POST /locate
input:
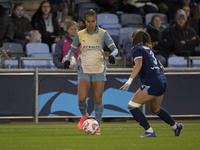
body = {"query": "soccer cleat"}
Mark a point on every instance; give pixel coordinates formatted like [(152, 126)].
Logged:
[(82, 120), (148, 134), (98, 132), (177, 131)]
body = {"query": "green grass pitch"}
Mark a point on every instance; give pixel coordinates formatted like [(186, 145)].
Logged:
[(115, 136)]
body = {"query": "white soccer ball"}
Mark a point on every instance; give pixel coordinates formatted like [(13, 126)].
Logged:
[(90, 126)]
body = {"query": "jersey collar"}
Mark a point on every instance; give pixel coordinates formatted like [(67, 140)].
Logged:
[(96, 31)]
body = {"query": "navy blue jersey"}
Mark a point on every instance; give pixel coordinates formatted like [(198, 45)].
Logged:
[(151, 71)]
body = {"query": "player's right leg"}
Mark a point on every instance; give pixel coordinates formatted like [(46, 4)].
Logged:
[(141, 97), (83, 89)]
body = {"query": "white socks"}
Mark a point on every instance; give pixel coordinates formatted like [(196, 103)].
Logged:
[(150, 130), (174, 126)]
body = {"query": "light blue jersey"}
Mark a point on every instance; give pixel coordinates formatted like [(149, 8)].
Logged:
[(92, 53)]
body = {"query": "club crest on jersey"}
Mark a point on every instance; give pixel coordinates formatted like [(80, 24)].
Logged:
[(97, 41)]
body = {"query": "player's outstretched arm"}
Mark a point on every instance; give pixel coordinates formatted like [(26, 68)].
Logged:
[(136, 69)]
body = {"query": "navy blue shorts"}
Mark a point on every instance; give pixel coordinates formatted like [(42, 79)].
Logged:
[(156, 89)]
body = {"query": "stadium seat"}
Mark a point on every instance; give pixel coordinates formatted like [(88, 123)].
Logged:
[(83, 7), (53, 46), (125, 32), (114, 33), (163, 16), (132, 20), (7, 4), (110, 23), (108, 20), (16, 50), (27, 16), (127, 48), (37, 50), (177, 61), (75, 3), (195, 63)]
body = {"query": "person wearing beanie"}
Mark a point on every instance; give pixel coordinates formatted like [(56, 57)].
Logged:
[(183, 39), (180, 13)]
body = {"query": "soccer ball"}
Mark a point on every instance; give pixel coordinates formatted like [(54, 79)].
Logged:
[(90, 126)]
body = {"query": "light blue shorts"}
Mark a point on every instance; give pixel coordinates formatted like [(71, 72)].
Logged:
[(91, 77)]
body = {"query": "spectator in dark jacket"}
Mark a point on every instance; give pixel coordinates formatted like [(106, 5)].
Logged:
[(45, 22), (64, 45), (21, 24), (184, 39), (6, 27), (159, 33)]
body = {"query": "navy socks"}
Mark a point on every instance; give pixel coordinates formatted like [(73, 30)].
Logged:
[(165, 116), (140, 118)]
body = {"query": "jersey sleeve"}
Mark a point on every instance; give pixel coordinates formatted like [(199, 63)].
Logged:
[(110, 44), (136, 53)]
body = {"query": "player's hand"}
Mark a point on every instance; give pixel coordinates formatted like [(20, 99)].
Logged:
[(66, 64), (124, 86), (111, 59)]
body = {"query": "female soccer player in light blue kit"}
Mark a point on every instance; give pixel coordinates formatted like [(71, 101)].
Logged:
[(153, 85), (91, 65)]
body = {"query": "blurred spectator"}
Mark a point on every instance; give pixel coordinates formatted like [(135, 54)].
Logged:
[(178, 4), (6, 27), (196, 19), (60, 9), (159, 33), (184, 39), (110, 5), (64, 45), (127, 8), (195, 22), (45, 22), (190, 3), (186, 8), (21, 24), (34, 37), (144, 7)]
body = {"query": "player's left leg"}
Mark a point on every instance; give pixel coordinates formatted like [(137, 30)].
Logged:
[(98, 88), (164, 115)]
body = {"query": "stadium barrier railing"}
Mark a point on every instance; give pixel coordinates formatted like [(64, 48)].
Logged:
[(115, 71)]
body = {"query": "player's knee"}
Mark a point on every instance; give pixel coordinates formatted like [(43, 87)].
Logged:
[(155, 110), (132, 104), (81, 99), (98, 100)]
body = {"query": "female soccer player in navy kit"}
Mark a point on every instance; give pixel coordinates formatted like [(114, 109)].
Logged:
[(91, 65), (153, 84)]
